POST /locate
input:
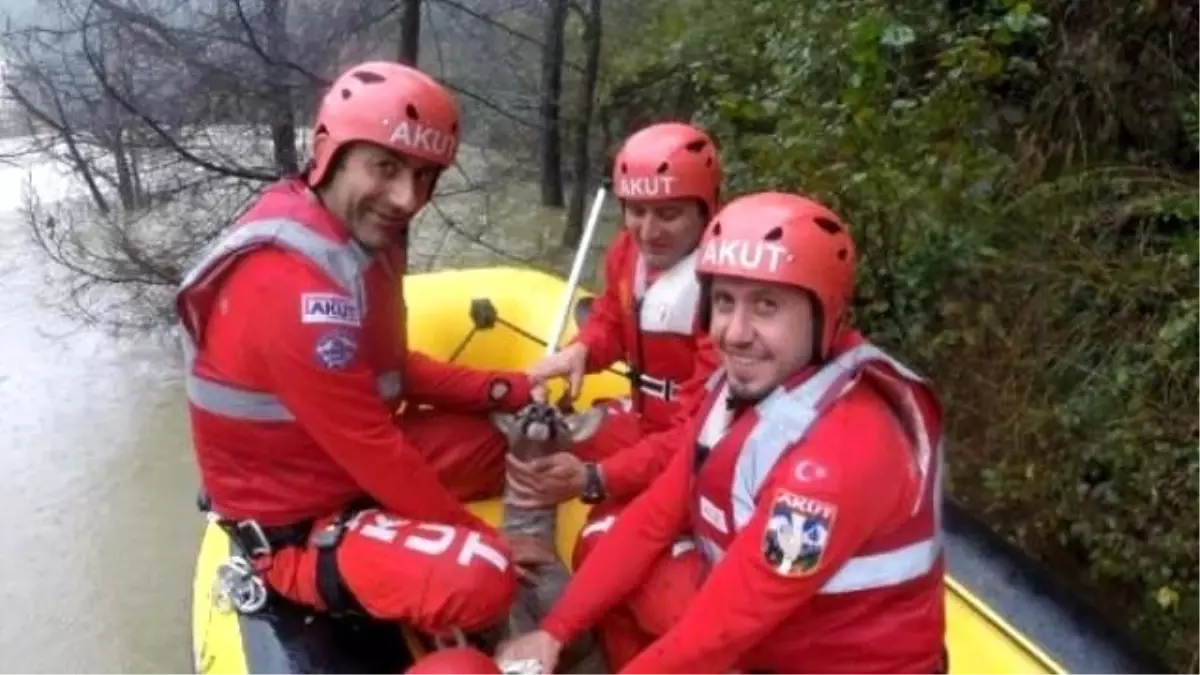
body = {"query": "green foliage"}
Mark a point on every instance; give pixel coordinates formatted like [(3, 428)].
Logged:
[(1025, 207)]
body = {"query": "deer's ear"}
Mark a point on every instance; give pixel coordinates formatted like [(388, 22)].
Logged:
[(585, 424), (506, 423)]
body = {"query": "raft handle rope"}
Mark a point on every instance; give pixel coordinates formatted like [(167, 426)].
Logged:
[(485, 317), (483, 312)]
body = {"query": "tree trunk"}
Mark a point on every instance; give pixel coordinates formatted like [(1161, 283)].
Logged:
[(551, 141), (410, 31), (283, 119), (593, 24), (125, 188)]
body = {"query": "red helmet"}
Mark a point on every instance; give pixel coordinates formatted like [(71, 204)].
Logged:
[(455, 660), (670, 160), (389, 104), (786, 239)]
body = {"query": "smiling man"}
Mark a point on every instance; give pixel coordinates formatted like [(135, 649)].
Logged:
[(295, 326), (810, 480)]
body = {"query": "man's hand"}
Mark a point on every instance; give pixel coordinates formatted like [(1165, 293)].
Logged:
[(545, 481), (537, 391), (536, 647), (528, 554), (569, 363)]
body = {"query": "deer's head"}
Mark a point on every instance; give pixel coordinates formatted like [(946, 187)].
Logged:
[(540, 429)]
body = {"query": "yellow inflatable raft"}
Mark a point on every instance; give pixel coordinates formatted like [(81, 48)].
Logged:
[(1002, 615)]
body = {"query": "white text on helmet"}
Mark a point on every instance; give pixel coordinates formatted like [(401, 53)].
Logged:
[(423, 138), (752, 256), (647, 186)]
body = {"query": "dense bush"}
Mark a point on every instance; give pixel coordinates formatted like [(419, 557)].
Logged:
[(1022, 183)]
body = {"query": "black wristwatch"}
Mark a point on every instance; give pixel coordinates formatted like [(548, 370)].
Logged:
[(593, 484)]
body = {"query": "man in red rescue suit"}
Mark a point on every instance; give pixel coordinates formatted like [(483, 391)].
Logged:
[(295, 328), (811, 484), (668, 178)]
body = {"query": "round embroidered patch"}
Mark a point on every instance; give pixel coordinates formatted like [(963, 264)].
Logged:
[(336, 349)]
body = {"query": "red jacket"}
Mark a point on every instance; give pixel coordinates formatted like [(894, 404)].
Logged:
[(297, 363), (818, 510), (650, 320)]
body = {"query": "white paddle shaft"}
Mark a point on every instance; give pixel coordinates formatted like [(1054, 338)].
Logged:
[(585, 243)]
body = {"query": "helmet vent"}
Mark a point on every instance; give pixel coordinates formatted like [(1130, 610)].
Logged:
[(411, 111), (624, 168), (662, 168), (454, 128), (696, 145), (716, 228), (842, 253), (827, 224), (367, 77), (708, 162), (774, 235), (345, 94)]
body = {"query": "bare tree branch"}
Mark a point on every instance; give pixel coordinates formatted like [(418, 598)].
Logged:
[(540, 44), (168, 111), (149, 121)]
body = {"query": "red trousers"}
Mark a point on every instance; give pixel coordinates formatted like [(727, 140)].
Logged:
[(656, 605), (431, 576), (664, 594)]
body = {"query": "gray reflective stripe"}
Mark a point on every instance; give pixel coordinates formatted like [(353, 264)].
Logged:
[(344, 263), (255, 406), (899, 565), (784, 418), (884, 569), (241, 404), (714, 379), (716, 423), (938, 494), (878, 570)]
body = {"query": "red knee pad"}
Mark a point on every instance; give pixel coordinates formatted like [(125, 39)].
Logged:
[(663, 597), (621, 638), (487, 591), (455, 660), (600, 520)]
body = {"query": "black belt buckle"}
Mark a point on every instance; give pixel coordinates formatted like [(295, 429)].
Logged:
[(252, 538), (331, 535)]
